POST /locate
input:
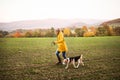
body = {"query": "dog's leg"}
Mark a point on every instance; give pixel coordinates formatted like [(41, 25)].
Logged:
[(81, 58), (74, 63), (67, 63), (78, 63), (82, 63)]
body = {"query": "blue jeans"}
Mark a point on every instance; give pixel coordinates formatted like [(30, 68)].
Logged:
[(63, 54)]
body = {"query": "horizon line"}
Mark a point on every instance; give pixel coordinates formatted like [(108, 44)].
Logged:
[(55, 18)]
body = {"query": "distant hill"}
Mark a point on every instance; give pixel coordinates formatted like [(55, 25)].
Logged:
[(112, 22), (48, 23)]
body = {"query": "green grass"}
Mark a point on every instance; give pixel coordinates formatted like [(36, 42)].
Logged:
[(34, 59)]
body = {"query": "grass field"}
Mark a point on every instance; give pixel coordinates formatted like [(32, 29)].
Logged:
[(34, 59)]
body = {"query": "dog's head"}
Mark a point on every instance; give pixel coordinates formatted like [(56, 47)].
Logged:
[(65, 61)]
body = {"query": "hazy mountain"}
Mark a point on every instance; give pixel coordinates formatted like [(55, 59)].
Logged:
[(112, 22), (47, 23)]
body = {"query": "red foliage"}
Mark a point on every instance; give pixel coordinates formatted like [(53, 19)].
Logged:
[(17, 34)]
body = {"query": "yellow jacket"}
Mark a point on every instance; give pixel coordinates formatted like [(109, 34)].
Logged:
[(61, 42)]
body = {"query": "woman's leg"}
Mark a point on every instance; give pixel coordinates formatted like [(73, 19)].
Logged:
[(64, 54), (58, 57)]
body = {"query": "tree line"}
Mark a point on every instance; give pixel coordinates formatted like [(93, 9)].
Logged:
[(84, 31)]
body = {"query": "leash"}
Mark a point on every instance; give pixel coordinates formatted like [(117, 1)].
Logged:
[(51, 43)]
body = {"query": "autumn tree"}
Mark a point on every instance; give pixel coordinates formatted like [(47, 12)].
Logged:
[(28, 34), (66, 32), (37, 33), (17, 34), (111, 32), (79, 32), (89, 34), (101, 31), (84, 28), (93, 29), (109, 29), (117, 31), (3, 33), (73, 33), (50, 32)]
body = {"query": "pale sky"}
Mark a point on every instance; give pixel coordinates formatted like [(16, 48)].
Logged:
[(17, 10)]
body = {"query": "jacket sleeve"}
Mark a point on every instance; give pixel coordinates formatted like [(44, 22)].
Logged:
[(61, 39)]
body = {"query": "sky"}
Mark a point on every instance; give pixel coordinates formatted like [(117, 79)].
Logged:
[(18, 10)]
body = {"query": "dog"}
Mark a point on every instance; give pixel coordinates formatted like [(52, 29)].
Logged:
[(77, 59)]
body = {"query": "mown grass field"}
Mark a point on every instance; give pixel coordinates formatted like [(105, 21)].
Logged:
[(34, 59)]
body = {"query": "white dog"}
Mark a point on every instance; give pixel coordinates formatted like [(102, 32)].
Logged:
[(73, 60)]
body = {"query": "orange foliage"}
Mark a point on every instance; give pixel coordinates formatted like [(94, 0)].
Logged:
[(17, 34), (92, 28), (89, 34), (110, 31), (66, 31), (84, 28)]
